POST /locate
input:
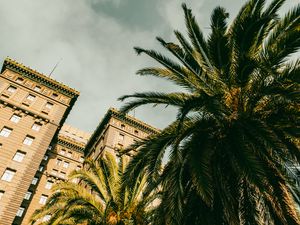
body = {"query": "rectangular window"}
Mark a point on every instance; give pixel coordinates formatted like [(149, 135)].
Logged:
[(66, 164), (75, 180), (121, 137), (1, 194), (37, 88), (81, 159), (46, 218), (122, 126), (54, 95), (5, 132), (15, 118), (19, 156), (48, 105), (19, 80), (69, 154), (43, 199), (62, 152), (62, 174), (34, 180), (28, 140), (30, 97), (8, 175), (78, 168), (27, 195), (58, 162), (54, 172), (45, 157), (49, 185), (20, 212), (36, 126), (11, 89)]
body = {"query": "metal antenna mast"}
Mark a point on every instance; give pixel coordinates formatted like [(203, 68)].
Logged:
[(55, 66)]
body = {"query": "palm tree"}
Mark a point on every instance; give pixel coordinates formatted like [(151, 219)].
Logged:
[(98, 199), (237, 126)]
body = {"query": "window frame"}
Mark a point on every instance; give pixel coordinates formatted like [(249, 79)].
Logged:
[(15, 118), (28, 140), (8, 174), (20, 212), (5, 132), (19, 156)]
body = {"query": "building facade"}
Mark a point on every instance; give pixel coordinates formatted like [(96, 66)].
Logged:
[(32, 109), (37, 150), (63, 157), (116, 131)]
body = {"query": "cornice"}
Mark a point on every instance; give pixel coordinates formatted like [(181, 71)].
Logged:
[(112, 112), (133, 121), (68, 142), (38, 77), (26, 111)]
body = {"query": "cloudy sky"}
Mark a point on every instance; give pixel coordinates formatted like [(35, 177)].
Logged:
[(93, 42)]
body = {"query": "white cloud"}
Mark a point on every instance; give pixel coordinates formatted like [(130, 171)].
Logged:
[(96, 48)]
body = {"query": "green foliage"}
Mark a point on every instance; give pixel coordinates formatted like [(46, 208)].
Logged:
[(99, 198), (237, 127)]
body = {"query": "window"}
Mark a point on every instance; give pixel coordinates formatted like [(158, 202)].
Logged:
[(62, 174), (54, 95), (136, 132), (58, 162), (45, 157), (43, 199), (30, 97), (81, 159), (19, 80), (54, 172), (19, 156), (8, 175), (34, 180), (5, 132), (49, 185), (75, 180), (28, 140), (48, 105), (37, 88), (62, 152), (121, 137), (15, 118), (1, 194), (69, 154), (78, 168), (20, 212), (11, 89), (41, 168), (27, 195), (122, 126), (36, 126), (66, 164), (46, 218)]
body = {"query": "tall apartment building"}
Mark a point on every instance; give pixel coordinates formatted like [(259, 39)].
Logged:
[(116, 131), (32, 109), (63, 157)]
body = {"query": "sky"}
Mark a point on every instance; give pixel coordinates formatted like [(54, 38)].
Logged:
[(92, 41)]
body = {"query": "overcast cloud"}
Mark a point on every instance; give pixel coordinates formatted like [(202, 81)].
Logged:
[(93, 42)]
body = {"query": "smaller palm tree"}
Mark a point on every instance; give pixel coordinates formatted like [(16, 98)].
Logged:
[(98, 198)]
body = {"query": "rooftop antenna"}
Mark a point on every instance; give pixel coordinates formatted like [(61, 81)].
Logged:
[(55, 67)]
